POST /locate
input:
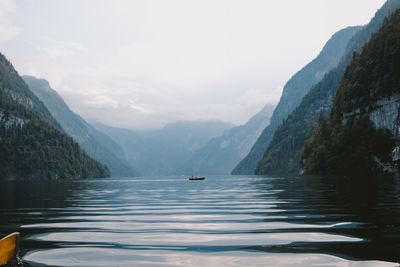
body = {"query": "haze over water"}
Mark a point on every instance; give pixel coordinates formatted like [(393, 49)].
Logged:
[(222, 221)]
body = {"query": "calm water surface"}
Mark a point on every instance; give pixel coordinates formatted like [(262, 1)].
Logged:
[(222, 221)]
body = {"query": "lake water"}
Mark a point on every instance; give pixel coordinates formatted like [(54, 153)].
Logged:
[(221, 221)]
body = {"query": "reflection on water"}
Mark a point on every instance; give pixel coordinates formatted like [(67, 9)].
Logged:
[(222, 221)]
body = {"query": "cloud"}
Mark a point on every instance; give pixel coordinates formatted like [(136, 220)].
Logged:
[(56, 49), (7, 31), (139, 108), (142, 64), (102, 102)]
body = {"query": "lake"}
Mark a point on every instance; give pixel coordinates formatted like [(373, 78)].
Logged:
[(221, 221)]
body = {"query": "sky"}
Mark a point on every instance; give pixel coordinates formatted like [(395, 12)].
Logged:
[(142, 64)]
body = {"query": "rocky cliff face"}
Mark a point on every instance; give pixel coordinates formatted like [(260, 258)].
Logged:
[(361, 134), (386, 115), (12, 121)]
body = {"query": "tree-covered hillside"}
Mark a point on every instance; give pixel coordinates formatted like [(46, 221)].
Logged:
[(97, 145), (15, 87), (283, 153), (294, 91), (348, 141), (30, 147)]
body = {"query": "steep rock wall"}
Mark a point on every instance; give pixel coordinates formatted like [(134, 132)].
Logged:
[(386, 115)]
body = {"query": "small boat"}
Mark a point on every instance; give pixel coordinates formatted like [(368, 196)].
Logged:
[(193, 178), (9, 248)]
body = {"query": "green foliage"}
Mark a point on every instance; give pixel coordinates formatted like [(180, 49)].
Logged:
[(349, 149), (349, 144), (31, 148), (283, 153), (375, 73)]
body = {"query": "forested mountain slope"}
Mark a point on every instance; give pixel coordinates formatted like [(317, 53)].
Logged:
[(294, 91), (97, 145), (18, 91), (362, 129), (283, 154), (30, 147)]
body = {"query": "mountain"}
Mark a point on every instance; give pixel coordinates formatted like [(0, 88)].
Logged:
[(361, 135), (164, 151), (31, 146), (18, 91), (97, 145), (294, 91), (221, 154), (283, 153)]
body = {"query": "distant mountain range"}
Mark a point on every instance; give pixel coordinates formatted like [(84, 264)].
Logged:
[(178, 148), (99, 146), (157, 152), (221, 154), (164, 151)]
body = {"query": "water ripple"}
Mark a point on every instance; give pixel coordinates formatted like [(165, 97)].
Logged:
[(222, 221)]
